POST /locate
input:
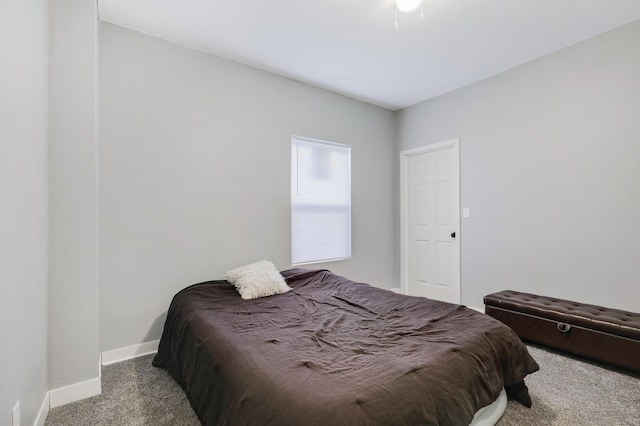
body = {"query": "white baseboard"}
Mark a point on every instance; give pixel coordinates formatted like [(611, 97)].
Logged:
[(123, 354), (476, 309), (397, 290), (42, 413), (76, 392), (89, 388)]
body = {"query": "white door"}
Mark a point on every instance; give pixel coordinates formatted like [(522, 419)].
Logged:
[(431, 221)]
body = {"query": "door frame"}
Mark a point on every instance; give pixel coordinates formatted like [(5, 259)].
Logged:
[(404, 207)]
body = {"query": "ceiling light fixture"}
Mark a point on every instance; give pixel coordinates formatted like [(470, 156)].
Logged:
[(408, 6)]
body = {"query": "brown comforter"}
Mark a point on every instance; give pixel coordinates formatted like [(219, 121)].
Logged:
[(335, 352)]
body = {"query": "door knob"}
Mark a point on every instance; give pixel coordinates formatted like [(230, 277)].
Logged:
[(453, 234)]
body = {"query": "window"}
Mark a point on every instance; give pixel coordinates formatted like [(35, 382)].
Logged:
[(320, 201)]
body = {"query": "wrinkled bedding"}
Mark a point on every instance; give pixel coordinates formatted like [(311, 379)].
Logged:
[(335, 352)]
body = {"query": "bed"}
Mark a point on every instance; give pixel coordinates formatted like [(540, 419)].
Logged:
[(336, 352)]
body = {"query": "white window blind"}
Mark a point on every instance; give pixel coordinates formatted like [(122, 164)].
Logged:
[(320, 201)]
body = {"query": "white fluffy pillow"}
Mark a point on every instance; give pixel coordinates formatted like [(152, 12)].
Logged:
[(257, 280)]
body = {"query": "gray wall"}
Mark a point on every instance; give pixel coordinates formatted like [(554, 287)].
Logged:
[(195, 176), (73, 278), (23, 215), (550, 168)]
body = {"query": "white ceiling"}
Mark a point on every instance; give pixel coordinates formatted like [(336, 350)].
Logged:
[(353, 47)]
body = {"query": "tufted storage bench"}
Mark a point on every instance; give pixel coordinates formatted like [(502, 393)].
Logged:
[(608, 335)]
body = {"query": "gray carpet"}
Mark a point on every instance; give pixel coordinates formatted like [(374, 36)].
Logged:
[(134, 393), (566, 391)]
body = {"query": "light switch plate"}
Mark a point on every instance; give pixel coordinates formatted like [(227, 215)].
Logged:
[(465, 213)]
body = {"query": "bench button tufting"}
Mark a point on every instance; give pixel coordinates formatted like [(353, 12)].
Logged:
[(623, 327)]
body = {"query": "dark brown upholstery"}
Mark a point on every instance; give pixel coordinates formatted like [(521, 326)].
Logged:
[(612, 321), (604, 334)]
